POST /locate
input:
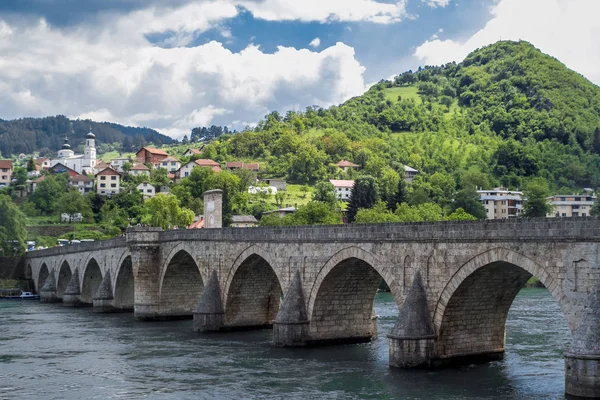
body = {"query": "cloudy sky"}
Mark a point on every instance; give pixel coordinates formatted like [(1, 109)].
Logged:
[(176, 64)]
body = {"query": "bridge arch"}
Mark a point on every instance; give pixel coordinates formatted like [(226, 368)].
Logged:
[(124, 290), (181, 284), (64, 276), (253, 289), (92, 277), (42, 276), (340, 304), (475, 302)]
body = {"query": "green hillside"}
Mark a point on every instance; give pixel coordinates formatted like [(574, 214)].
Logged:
[(507, 113)]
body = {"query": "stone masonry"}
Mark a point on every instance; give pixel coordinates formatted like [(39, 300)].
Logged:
[(469, 274)]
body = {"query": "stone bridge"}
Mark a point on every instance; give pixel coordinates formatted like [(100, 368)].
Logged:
[(453, 282)]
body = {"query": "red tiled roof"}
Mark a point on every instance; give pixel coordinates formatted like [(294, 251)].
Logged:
[(108, 171), (342, 183), (154, 151), (193, 151), (205, 162), (197, 224), (170, 158), (38, 180), (241, 164), (80, 178), (140, 167), (345, 163), (6, 164)]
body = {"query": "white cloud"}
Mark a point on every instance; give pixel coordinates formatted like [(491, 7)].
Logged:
[(436, 3), (316, 42), (565, 29), (325, 11), (114, 73)]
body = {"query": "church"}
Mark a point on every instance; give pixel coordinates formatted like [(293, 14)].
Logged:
[(82, 163)]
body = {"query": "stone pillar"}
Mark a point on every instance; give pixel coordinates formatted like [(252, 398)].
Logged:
[(412, 341), (582, 361), (291, 326), (209, 315), (48, 291), (213, 208), (103, 299), (144, 244), (72, 295)]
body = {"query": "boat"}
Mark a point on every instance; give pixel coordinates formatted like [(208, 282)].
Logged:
[(22, 296), (29, 296)]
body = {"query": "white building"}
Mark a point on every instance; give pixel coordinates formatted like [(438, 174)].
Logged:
[(343, 188), (82, 163), (117, 163), (171, 164), (501, 203), (139, 169), (573, 205), (409, 174), (146, 189), (82, 183)]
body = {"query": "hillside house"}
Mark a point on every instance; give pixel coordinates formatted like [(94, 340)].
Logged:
[(279, 184), (117, 163), (108, 182), (146, 189), (409, 174), (345, 166), (192, 152), (139, 169), (150, 155), (501, 203), (6, 168), (243, 221), (171, 164), (233, 165), (574, 205), (343, 188), (84, 184)]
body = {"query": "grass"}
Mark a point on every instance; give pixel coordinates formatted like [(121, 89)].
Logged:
[(108, 157), (407, 92)]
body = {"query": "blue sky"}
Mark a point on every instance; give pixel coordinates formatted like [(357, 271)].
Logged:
[(176, 64)]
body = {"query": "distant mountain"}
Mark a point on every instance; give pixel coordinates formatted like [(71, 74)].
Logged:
[(27, 135)]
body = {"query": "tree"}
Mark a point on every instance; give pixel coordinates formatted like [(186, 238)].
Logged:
[(46, 196), (460, 215), (73, 202), (536, 203), (312, 213), (376, 215), (12, 228), (20, 175), (325, 193), (399, 197), (30, 165), (595, 211), (469, 201), (164, 211), (363, 195)]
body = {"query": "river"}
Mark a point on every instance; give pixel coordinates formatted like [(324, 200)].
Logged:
[(64, 353)]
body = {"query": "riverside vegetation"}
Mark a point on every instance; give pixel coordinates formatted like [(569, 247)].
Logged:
[(507, 115)]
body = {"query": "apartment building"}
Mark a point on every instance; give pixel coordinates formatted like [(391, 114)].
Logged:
[(573, 205), (501, 203)]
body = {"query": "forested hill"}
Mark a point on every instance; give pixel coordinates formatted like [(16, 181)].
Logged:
[(47, 134), (505, 114)]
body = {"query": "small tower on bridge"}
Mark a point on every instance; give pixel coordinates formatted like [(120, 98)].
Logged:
[(213, 208)]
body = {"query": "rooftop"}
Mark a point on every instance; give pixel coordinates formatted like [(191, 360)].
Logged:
[(244, 218), (345, 163), (154, 151), (343, 183), (108, 171), (206, 162), (140, 167)]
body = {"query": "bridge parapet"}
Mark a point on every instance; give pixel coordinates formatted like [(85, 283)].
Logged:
[(535, 229), (79, 248)]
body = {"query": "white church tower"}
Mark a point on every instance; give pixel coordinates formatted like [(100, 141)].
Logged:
[(65, 151), (89, 153)]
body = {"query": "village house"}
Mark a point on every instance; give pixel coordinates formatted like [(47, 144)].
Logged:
[(501, 203), (233, 165), (117, 163), (139, 169), (108, 182), (192, 152), (150, 155), (279, 184), (345, 166), (146, 189), (6, 167), (185, 170), (63, 169), (343, 188), (171, 164), (574, 205), (409, 174), (243, 221), (282, 212), (84, 184), (43, 162)]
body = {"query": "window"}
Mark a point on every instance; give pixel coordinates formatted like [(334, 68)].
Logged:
[(562, 199), (113, 185), (564, 215), (4, 169), (186, 174), (103, 185), (583, 214), (4, 177), (102, 178), (173, 163), (113, 178)]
